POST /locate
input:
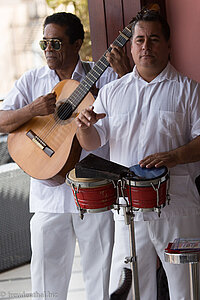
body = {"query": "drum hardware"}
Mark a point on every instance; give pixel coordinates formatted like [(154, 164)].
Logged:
[(120, 186), (156, 189), (132, 259), (129, 220), (142, 190), (158, 207), (81, 210)]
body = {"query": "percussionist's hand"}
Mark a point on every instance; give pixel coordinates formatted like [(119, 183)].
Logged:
[(118, 60), (167, 159), (44, 105), (88, 117)]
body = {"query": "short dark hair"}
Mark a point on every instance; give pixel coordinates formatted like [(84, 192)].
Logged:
[(153, 16), (74, 27)]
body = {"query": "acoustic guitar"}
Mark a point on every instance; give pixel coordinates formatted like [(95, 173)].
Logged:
[(46, 145)]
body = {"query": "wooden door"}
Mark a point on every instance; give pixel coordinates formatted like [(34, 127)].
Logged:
[(108, 17)]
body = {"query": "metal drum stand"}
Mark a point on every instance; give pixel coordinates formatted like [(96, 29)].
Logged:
[(129, 220), (132, 259), (192, 258), (129, 209)]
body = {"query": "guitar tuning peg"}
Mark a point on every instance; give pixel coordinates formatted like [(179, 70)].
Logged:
[(154, 6)]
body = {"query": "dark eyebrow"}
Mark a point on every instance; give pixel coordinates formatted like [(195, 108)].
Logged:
[(53, 38), (139, 36), (152, 35)]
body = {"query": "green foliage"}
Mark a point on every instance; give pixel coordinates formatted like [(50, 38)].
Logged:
[(81, 10)]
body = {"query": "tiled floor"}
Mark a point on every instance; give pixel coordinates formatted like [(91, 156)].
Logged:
[(16, 284)]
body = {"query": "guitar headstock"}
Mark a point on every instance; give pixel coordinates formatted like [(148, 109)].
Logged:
[(126, 33), (152, 6)]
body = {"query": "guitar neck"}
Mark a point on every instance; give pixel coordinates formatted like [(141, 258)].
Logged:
[(94, 74)]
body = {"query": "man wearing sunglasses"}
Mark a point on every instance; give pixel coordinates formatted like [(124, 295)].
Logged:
[(56, 224)]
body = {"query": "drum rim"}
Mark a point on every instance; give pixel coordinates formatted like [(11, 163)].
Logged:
[(92, 182), (165, 171), (155, 208), (98, 210), (146, 182)]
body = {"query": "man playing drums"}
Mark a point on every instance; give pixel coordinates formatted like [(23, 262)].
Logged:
[(151, 117)]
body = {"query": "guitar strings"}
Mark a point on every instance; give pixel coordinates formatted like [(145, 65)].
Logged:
[(44, 134), (79, 92)]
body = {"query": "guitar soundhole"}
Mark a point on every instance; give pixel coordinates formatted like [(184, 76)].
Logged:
[(64, 111)]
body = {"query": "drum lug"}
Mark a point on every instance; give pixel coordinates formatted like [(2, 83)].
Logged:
[(168, 186), (130, 259), (168, 198), (156, 189), (158, 210), (81, 210), (116, 186), (120, 193), (123, 184), (81, 213)]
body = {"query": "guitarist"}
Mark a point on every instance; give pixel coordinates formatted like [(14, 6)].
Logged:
[(56, 224)]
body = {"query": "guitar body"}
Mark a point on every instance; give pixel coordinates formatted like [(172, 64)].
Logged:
[(46, 146)]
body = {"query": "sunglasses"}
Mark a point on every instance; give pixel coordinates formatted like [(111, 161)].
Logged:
[(54, 43)]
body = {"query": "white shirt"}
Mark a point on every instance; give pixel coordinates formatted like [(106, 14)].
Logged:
[(35, 83), (144, 118)]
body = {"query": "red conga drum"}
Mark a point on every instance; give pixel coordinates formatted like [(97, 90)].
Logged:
[(147, 191), (92, 195)]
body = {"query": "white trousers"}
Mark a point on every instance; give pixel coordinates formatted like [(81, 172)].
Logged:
[(53, 238), (152, 237)]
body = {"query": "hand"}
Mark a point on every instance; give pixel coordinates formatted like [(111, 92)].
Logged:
[(44, 105), (88, 117), (167, 159), (118, 60)]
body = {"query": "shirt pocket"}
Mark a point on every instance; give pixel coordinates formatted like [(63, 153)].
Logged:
[(171, 123), (119, 126), (183, 190)]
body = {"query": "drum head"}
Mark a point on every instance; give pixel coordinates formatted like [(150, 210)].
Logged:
[(85, 182), (146, 174), (73, 178)]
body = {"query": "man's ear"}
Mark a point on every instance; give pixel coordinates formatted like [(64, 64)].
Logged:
[(77, 45)]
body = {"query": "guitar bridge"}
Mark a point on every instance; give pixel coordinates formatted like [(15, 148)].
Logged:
[(40, 143)]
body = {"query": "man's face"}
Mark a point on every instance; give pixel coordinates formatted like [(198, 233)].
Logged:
[(61, 59), (149, 48)]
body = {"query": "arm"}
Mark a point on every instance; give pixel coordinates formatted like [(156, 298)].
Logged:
[(12, 119), (187, 153), (87, 134), (119, 61)]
